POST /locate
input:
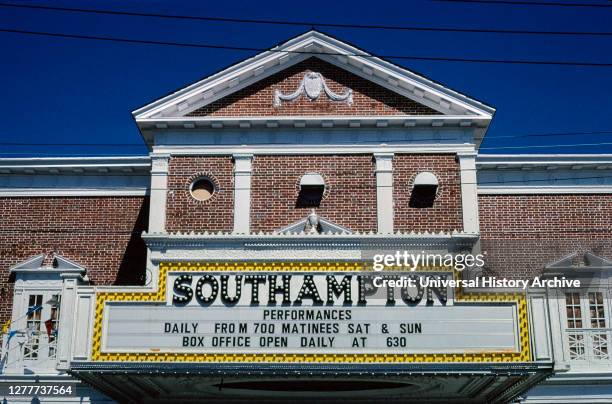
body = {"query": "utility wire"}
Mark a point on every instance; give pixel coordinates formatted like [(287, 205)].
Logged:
[(530, 3), (255, 49), (545, 146), (270, 187), (365, 142), (115, 144), (181, 174), (300, 23)]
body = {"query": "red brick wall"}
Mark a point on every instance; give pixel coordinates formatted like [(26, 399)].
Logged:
[(350, 201), (368, 98), (524, 233), (445, 214), (183, 212), (100, 233)]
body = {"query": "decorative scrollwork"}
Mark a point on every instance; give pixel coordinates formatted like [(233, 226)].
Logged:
[(312, 85)]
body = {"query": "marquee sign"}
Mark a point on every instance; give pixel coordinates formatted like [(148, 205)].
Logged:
[(312, 312)]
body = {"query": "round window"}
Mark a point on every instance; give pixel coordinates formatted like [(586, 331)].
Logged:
[(202, 189)]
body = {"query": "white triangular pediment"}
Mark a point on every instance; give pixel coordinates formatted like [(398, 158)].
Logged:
[(402, 81), (593, 260), (58, 264), (34, 262), (580, 261), (324, 227)]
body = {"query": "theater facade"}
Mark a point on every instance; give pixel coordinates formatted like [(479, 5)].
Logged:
[(235, 261)]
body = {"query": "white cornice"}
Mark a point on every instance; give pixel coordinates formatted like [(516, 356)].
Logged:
[(538, 189), (515, 174), (301, 237), (74, 176), (307, 150), (315, 121), (56, 165), (294, 246), (72, 192)]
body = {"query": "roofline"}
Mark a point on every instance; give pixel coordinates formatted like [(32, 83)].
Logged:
[(210, 76), (85, 176), (142, 160), (476, 104), (491, 109)]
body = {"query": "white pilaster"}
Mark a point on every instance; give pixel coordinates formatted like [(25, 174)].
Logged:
[(242, 192), (159, 189), (384, 191), (469, 191), (67, 316)]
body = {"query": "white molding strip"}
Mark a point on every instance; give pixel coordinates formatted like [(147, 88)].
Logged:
[(314, 120), (517, 160), (515, 174), (59, 192), (323, 149), (160, 164), (384, 192), (242, 192), (543, 190), (74, 176), (469, 194)]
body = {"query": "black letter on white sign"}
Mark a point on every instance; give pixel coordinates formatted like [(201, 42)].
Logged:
[(182, 290)]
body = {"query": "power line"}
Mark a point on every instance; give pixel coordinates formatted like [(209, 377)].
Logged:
[(367, 142), (171, 175), (546, 146), (71, 144), (254, 49), (301, 23), (270, 187), (601, 132), (530, 3), (119, 144)]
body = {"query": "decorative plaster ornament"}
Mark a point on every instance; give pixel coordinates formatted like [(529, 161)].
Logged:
[(312, 85), (312, 223)]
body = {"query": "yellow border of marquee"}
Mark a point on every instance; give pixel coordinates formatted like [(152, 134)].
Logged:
[(160, 296)]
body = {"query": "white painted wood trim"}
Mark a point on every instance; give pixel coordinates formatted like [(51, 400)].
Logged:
[(543, 190), (384, 192), (242, 192), (469, 193), (59, 192), (159, 191), (305, 149)]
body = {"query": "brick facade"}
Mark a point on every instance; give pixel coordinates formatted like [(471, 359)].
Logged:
[(524, 233), (350, 200), (184, 213), (368, 98), (100, 233), (445, 214)]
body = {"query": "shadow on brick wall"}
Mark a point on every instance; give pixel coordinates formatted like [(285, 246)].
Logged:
[(132, 270)]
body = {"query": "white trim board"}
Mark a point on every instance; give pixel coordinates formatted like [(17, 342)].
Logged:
[(543, 190), (59, 192), (305, 150)]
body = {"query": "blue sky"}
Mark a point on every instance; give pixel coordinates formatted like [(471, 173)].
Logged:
[(77, 91)]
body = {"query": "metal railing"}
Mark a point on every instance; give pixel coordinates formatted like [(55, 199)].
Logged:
[(35, 350), (589, 344)]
